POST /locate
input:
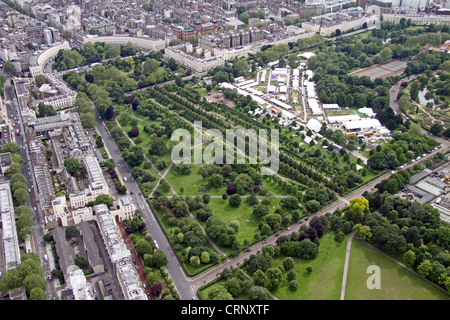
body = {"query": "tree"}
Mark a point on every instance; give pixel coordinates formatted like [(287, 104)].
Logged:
[(425, 268), (46, 110), (386, 54), (133, 133), (174, 42), (158, 147), (104, 198), (215, 227), (66, 35), (10, 147), (72, 165), (193, 39), (437, 129), (293, 285), (39, 80), (159, 259), (88, 120), (259, 293), (110, 114), (358, 206), (289, 203), (231, 189), (233, 286), (156, 289), (274, 278), (362, 231), (235, 200), (215, 180), (219, 293), (312, 205), (9, 68), (260, 210), (21, 196), (70, 231), (143, 247), (288, 263), (34, 281), (38, 293), (409, 257), (81, 260)]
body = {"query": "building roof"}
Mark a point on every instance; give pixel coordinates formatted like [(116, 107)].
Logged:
[(314, 125), (362, 124), (344, 118), (314, 105)]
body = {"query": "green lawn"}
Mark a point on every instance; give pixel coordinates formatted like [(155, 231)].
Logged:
[(325, 281), (192, 183), (397, 283), (244, 214)]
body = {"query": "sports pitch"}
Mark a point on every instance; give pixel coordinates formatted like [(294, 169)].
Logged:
[(392, 68)]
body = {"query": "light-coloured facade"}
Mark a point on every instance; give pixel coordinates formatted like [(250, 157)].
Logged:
[(77, 282), (120, 255), (82, 214), (11, 253), (37, 63), (194, 63), (420, 19), (97, 186), (145, 43)]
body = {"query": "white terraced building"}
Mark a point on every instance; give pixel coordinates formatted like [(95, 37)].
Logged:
[(97, 186), (119, 254), (11, 252)]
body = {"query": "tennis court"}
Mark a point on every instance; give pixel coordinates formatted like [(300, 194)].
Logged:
[(392, 68)]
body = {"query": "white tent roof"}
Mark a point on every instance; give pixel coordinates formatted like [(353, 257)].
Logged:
[(314, 105), (362, 124), (344, 118), (314, 125)]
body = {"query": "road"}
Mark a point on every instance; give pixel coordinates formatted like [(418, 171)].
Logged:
[(174, 267), (37, 244), (339, 204)]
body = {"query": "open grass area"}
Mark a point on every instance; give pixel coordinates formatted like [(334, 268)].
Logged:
[(193, 184), (397, 283), (325, 281), (243, 214)]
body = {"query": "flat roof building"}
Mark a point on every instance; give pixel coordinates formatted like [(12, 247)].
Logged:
[(362, 124), (11, 252), (314, 106)]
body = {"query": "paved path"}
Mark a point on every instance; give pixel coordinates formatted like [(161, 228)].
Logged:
[(347, 258)]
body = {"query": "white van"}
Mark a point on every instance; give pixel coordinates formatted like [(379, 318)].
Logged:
[(45, 258)]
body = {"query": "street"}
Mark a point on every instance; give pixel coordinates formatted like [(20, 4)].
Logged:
[(38, 246), (154, 229)]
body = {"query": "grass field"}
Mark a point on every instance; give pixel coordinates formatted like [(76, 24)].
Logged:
[(325, 281), (397, 283), (191, 183), (244, 214)]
